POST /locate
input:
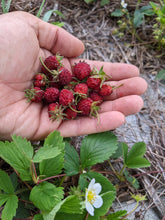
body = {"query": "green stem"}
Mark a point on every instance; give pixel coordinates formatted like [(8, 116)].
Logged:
[(51, 177), (122, 170), (62, 180)]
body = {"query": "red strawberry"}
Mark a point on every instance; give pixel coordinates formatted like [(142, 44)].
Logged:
[(93, 83), (105, 90), (96, 97), (81, 88), (66, 97), (71, 112), (55, 111), (51, 94), (64, 76), (34, 94), (40, 80), (52, 63), (81, 70), (84, 106)]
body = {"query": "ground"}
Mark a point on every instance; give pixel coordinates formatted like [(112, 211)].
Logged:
[(94, 26)]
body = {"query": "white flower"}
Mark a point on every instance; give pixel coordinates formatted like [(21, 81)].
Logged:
[(92, 199), (123, 4)]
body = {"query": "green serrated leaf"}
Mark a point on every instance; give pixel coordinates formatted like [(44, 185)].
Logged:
[(72, 162), (131, 180), (5, 183), (52, 167), (18, 154), (117, 13), (147, 10), (71, 205), (117, 215), (46, 195), (45, 153), (55, 139), (137, 150), (96, 148), (138, 18), (9, 210), (118, 153), (137, 162), (3, 198)]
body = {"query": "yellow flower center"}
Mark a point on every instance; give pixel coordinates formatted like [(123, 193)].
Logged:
[(91, 196)]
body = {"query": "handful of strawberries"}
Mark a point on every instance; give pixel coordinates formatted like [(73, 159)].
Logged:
[(69, 95)]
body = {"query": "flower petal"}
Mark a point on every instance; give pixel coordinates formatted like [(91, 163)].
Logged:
[(98, 202), (97, 187), (92, 182), (89, 208)]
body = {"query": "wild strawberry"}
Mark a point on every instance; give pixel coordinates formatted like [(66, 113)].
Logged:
[(81, 70), (51, 63), (105, 90), (81, 88), (64, 76), (55, 111), (40, 80), (96, 97), (66, 97), (51, 94), (84, 106), (34, 94), (93, 83), (71, 112)]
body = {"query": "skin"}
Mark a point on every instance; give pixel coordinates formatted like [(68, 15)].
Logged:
[(24, 38)]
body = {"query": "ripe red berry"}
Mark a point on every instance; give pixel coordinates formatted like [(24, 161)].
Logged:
[(105, 90), (52, 63), (34, 94), (84, 106), (93, 83), (66, 97), (64, 76), (96, 98), (71, 112), (52, 108), (81, 70), (51, 94), (81, 88), (40, 80)]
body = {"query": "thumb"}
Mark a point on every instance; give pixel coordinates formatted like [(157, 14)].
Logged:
[(57, 40)]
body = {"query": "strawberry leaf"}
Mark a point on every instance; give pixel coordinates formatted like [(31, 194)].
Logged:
[(18, 154), (46, 152), (97, 148), (52, 167), (72, 163), (5, 183), (46, 195), (10, 207)]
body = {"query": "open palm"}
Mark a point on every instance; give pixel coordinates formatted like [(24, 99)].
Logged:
[(24, 38)]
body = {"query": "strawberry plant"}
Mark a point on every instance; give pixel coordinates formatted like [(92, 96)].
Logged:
[(37, 186)]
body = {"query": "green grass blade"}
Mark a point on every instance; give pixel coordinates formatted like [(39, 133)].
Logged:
[(40, 9), (3, 6)]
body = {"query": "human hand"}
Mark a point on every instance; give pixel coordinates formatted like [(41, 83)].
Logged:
[(24, 38)]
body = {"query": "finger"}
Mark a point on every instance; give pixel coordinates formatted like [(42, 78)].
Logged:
[(127, 105), (117, 71), (54, 38), (132, 86), (85, 125)]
